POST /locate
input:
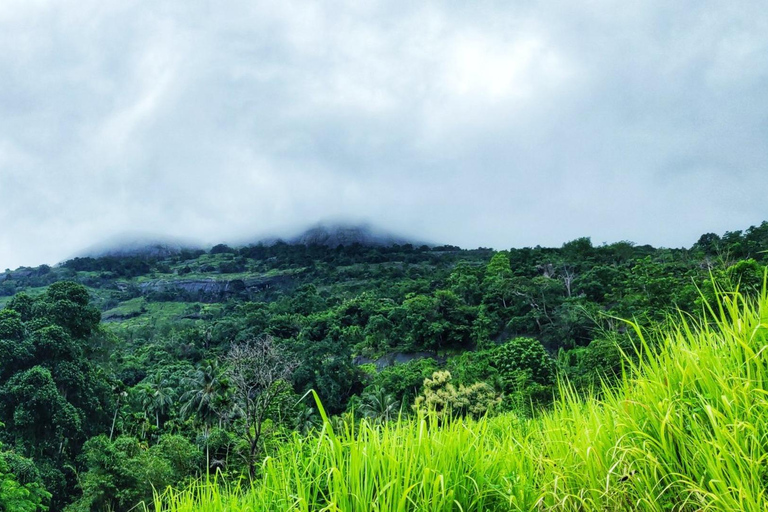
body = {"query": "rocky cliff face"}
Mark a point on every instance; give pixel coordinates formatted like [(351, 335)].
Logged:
[(211, 289)]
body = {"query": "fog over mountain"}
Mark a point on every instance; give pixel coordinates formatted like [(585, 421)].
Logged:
[(486, 123), (330, 234), (131, 244)]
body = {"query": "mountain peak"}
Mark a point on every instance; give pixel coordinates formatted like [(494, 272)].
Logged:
[(134, 244), (333, 235)]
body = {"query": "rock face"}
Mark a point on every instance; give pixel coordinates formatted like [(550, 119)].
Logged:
[(340, 234), (396, 358), (210, 289)]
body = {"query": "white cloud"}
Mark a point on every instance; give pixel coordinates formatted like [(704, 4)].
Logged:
[(488, 123)]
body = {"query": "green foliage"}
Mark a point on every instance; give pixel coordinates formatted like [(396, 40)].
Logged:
[(602, 361), (124, 472), (52, 398), (206, 393), (404, 381), (523, 355), (379, 405), (436, 322), (21, 489), (11, 326), (326, 366), (683, 430), (67, 304), (365, 325)]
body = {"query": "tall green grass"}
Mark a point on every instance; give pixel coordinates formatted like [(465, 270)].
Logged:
[(685, 430)]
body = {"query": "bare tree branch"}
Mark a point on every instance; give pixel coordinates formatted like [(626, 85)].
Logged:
[(256, 370)]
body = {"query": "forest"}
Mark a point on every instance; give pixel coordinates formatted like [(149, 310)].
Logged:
[(297, 377)]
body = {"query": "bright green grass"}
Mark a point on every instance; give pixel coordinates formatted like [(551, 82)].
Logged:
[(686, 430), (126, 309), (157, 314)]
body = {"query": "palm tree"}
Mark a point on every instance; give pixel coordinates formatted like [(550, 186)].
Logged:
[(206, 396), (119, 390), (307, 420), (205, 393), (379, 405), (158, 397)]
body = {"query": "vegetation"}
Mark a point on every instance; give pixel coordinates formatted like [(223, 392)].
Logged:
[(684, 429), (120, 375)]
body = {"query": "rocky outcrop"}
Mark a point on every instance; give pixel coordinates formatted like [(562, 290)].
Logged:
[(211, 289), (396, 358)]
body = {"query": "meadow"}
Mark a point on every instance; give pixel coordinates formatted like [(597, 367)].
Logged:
[(686, 429)]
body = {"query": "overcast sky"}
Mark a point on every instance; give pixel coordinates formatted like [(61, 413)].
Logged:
[(499, 124)]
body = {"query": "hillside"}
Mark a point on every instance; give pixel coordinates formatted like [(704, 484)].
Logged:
[(124, 361), (683, 430)]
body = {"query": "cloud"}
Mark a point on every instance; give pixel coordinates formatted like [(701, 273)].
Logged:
[(488, 123)]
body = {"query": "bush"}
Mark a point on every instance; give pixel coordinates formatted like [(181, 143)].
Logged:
[(444, 399), (525, 355)]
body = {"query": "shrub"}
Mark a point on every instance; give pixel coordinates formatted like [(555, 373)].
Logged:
[(441, 397)]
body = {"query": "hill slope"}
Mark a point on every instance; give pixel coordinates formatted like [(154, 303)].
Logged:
[(684, 430), (372, 330)]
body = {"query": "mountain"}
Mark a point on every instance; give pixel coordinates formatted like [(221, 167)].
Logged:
[(139, 245), (333, 235), (328, 235), (354, 325)]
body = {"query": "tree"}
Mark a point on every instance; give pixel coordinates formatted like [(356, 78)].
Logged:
[(258, 372), (52, 397), (524, 355), (404, 380), (122, 473), (158, 397), (204, 396), (379, 405), (438, 321), (498, 280), (16, 494), (709, 244), (67, 304), (464, 281), (326, 367)]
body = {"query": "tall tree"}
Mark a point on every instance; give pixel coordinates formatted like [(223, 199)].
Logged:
[(52, 397), (158, 397), (258, 372), (205, 393)]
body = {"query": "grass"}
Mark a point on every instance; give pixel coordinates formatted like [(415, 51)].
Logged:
[(685, 430), (126, 309)]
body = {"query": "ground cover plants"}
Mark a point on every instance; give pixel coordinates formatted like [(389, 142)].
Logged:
[(685, 429)]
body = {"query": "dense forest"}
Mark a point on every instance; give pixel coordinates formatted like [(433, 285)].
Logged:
[(121, 375)]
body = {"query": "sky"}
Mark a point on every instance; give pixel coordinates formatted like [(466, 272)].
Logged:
[(496, 124)]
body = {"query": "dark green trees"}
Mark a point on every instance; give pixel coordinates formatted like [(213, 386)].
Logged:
[(52, 398), (438, 321), (123, 472), (524, 356)]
